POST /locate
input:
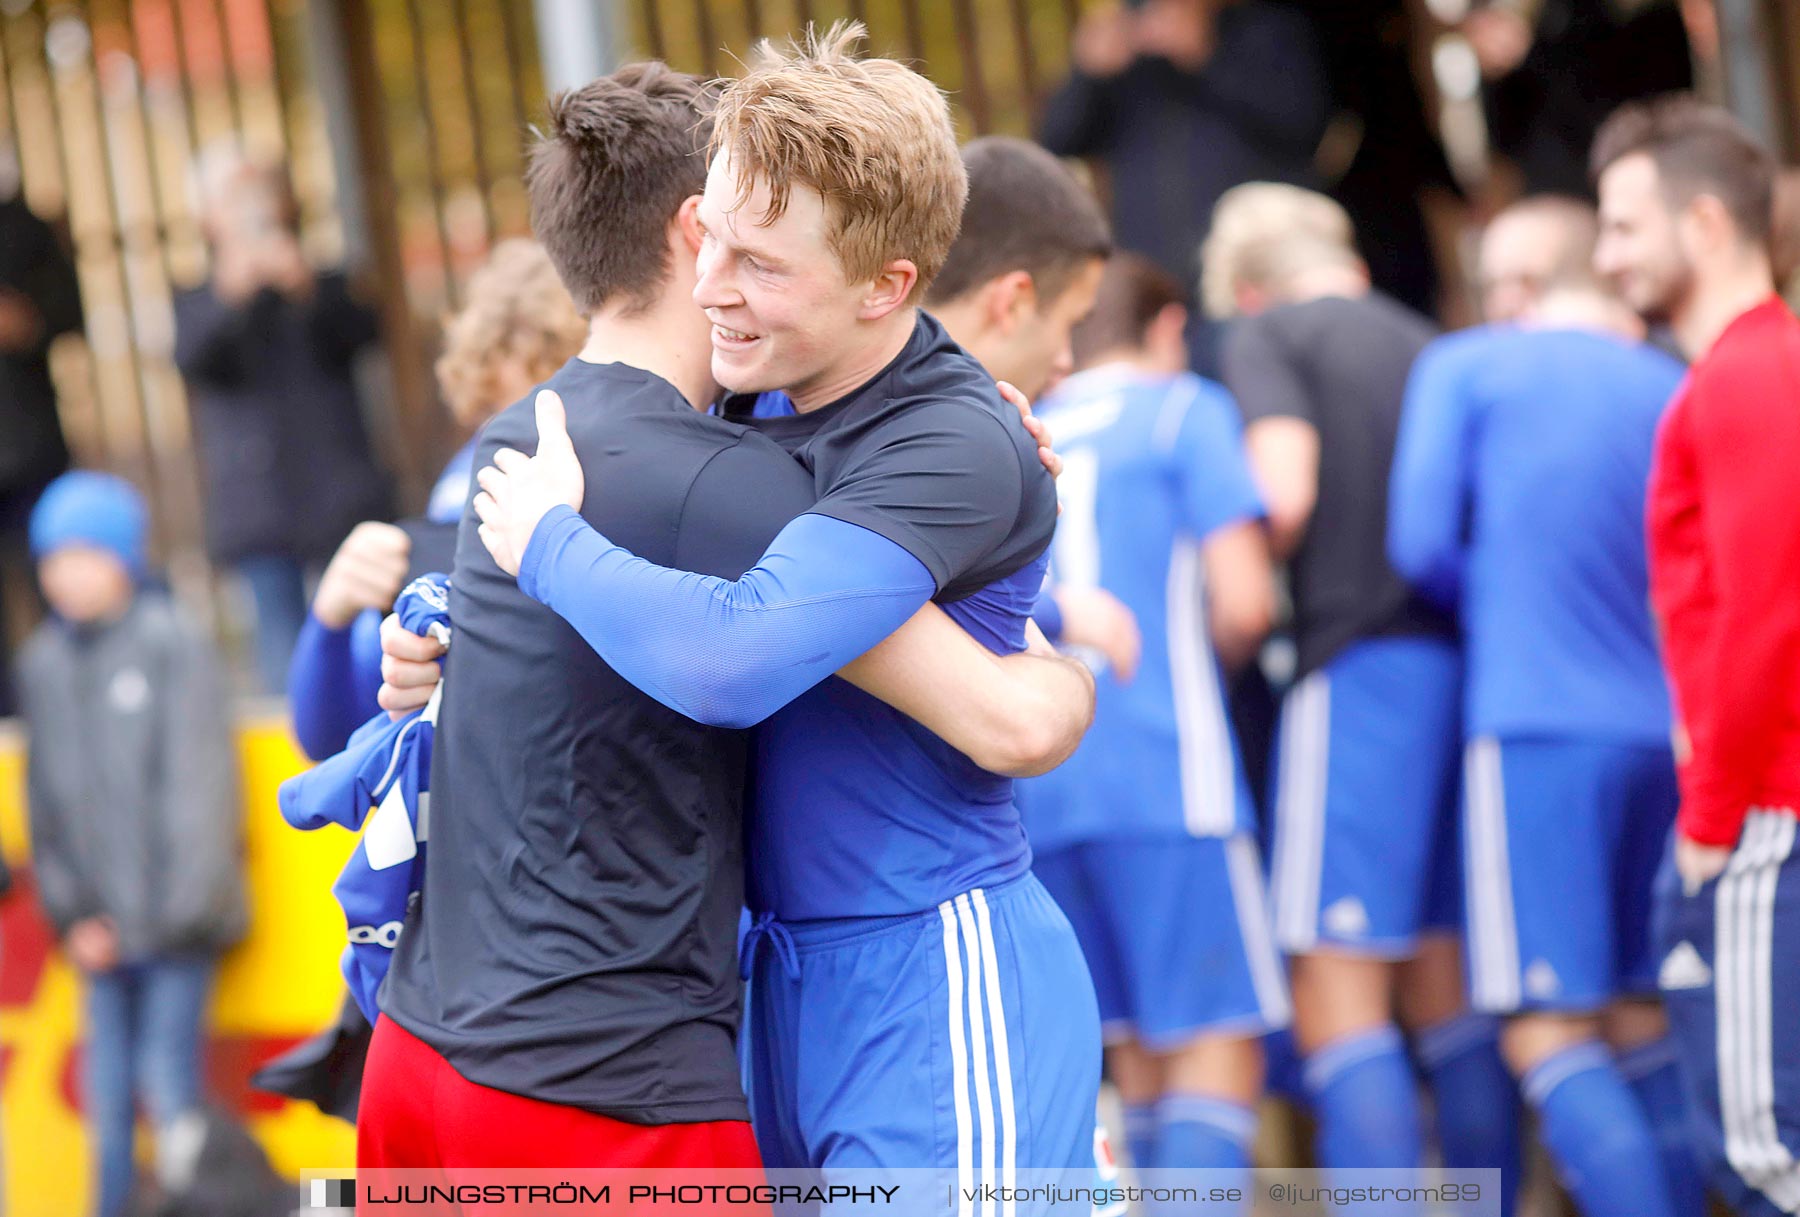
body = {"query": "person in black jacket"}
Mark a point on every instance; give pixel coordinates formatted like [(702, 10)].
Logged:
[(1546, 88), (1182, 100), (39, 300), (267, 346)]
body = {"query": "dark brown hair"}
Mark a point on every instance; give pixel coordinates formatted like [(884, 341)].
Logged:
[(618, 159), (1698, 149), (1133, 293), (1026, 211)]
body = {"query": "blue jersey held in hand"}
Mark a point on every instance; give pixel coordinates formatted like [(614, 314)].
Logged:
[(385, 768)]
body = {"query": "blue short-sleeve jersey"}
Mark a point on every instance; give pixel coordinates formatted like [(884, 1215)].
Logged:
[(1152, 466), (1517, 498)]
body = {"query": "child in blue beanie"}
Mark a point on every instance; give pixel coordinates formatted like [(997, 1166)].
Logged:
[(135, 819)]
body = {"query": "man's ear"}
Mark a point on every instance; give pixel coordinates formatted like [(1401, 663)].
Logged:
[(889, 290), (1010, 300), (1168, 329), (1708, 224), (687, 223)]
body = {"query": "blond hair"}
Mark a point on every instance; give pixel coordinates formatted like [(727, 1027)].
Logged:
[(872, 136), (517, 311), (1264, 235)]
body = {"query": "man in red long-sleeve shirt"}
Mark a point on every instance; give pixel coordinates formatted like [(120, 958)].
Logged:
[(1685, 208)]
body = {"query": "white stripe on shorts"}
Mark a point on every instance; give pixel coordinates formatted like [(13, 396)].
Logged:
[(990, 971), (1300, 810), (959, 1061), (990, 1138), (1208, 765), (1493, 934), (1244, 869), (1744, 948)]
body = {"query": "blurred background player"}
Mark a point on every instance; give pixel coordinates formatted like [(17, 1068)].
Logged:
[(1146, 836), (1537, 241), (517, 327), (1364, 867), (1685, 211), (1022, 273), (267, 345), (1517, 500), (134, 810)]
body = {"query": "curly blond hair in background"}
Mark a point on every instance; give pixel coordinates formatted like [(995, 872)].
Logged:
[(518, 317)]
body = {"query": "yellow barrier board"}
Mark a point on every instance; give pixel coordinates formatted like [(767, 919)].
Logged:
[(278, 987)]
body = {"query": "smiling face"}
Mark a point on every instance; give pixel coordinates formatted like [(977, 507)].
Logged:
[(783, 314), (1643, 249)]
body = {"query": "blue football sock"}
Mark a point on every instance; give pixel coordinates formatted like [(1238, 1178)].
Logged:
[(1597, 1133), (1653, 1075), (1198, 1131), (1366, 1101), (1474, 1098), (1140, 1134)]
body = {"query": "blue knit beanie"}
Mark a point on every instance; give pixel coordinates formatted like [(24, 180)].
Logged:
[(88, 508)]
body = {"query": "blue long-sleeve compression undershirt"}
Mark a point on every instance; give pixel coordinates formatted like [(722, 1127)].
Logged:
[(332, 682), (725, 652)]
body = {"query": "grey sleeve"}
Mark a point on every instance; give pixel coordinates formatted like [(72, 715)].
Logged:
[(62, 889), (201, 826)]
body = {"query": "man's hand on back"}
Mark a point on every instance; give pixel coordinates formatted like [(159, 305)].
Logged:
[(1035, 425), (517, 491)]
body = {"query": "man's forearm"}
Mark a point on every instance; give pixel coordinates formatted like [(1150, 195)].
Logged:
[(1018, 715), (727, 652)]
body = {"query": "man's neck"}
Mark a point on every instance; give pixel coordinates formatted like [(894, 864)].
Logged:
[(1575, 309), (1719, 299), (666, 341), (858, 369), (1325, 281)]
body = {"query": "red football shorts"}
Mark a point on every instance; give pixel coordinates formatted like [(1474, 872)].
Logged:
[(418, 1114)]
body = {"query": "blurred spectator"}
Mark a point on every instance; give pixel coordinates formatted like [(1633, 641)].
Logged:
[(134, 809), (39, 300), (1548, 87), (1181, 100), (267, 346), (1785, 239), (1390, 161), (1539, 241), (518, 328)]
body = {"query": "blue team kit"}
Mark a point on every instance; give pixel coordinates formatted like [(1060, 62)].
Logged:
[(1569, 789), (1146, 835)]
